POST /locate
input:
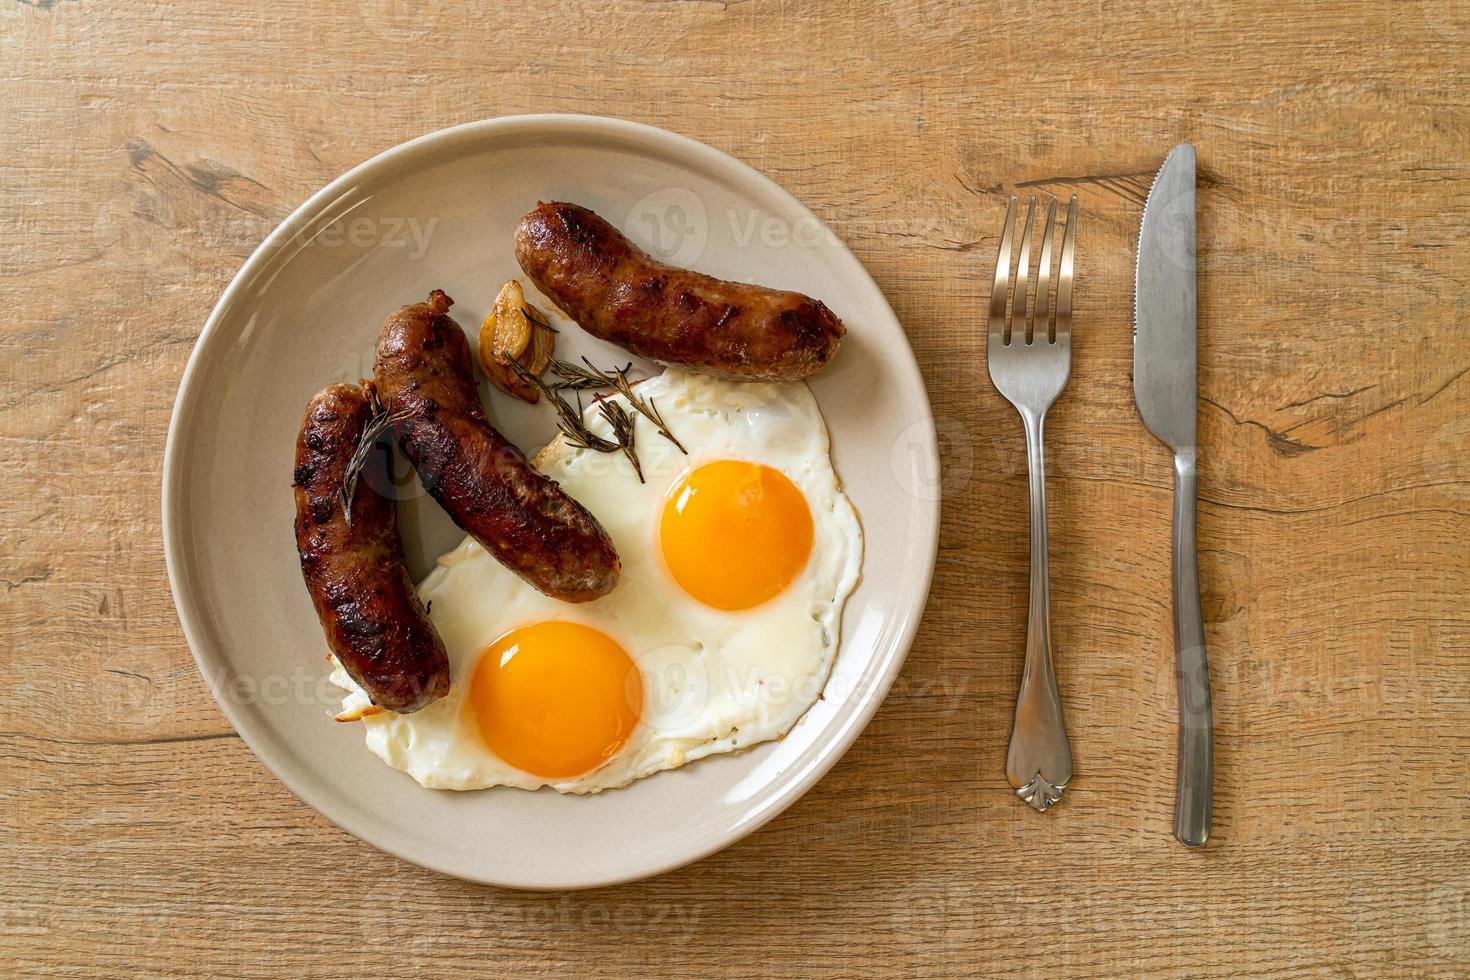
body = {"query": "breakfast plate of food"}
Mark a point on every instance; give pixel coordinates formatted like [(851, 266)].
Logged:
[(551, 500)]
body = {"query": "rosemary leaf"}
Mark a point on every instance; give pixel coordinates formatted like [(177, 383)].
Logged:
[(538, 320), (575, 377), (625, 429), (382, 419), (619, 379)]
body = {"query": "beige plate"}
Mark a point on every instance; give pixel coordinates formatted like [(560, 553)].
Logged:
[(438, 212)]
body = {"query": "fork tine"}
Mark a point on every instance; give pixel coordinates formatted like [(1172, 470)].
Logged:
[(1042, 317), (1023, 268), (1064, 276), (998, 289)]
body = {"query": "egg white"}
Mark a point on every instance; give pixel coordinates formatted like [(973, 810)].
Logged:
[(714, 681)]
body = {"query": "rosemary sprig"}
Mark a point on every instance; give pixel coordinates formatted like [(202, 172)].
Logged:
[(645, 408), (383, 418), (569, 421), (577, 377)]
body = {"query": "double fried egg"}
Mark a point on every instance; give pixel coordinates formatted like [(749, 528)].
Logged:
[(737, 559)]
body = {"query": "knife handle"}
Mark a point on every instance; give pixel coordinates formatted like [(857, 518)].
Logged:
[(1192, 798)]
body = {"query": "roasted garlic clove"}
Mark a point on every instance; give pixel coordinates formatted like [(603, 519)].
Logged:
[(515, 331)]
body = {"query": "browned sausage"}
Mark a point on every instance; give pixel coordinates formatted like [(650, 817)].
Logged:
[(364, 598), (523, 518), (621, 294)]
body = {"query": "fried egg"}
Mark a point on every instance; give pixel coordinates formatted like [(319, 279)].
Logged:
[(737, 559)]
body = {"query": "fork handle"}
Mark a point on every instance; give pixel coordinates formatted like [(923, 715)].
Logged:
[(1039, 761), (1192, 797)]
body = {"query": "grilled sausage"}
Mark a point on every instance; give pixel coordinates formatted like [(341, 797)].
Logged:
[(523, 518), (621, 294), (354, 571)]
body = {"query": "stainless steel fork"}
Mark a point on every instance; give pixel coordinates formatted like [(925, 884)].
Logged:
[(1030, 358)]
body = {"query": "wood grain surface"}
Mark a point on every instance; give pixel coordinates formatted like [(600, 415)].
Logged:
[(150, 146)]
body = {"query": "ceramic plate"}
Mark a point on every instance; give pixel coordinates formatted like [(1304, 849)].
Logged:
[(438, 212)]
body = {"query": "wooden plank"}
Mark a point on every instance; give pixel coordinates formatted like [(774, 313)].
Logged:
[(151, 146)]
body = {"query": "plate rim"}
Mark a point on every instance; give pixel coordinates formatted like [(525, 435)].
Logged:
[(838, 741)]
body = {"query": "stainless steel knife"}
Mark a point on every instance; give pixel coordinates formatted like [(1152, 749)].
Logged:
[(1165, 389)]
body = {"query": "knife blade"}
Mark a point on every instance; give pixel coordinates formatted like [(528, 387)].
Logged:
[(1164, 383), (1165, 388)]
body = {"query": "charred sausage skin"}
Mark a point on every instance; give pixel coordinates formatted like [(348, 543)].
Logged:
[(621, 294), (369, 610), (425, 376)]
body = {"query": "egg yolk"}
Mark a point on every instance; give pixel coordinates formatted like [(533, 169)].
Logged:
[(734, 533), (555, 699)]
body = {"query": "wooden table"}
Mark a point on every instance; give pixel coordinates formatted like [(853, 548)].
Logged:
[(150, 146)]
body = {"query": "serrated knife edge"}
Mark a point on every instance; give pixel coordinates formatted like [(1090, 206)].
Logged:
[(1138, 244)]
